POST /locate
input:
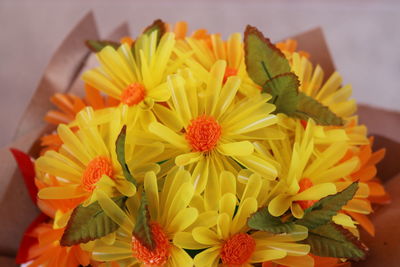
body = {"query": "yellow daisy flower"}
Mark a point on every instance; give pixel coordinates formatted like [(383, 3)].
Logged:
[(87, 160), (229, 240), (309, 172), (170, 216), (136, 78), (200, 54), (209, 131), (330, 93)]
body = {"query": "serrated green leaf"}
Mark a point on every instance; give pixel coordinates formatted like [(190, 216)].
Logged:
[(308, 107), (98, 45), (89, 223), (142, 230), (322, 211), (120, 150), (332, 240), (263, 59), (262, 220), (284, 91), (159, 26)]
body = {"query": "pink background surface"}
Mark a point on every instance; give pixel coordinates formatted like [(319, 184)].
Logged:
[(363, 36)]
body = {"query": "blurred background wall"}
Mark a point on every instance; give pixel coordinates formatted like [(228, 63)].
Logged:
[(363, 36)]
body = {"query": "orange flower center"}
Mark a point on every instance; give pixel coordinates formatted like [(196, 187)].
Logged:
[(96, 168), (304, 184), (229, 72), (133, 94), (158, 256), (238, 249), (203, 133)]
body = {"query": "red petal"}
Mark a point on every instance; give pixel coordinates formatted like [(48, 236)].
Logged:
[(28, 241), (27, 169)]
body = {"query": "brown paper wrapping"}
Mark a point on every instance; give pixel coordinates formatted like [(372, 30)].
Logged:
[(63, 75)]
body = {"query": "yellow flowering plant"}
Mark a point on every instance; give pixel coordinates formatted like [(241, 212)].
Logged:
[(195, 151)]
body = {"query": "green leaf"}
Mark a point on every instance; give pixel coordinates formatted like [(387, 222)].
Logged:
[(97, 45), (284, 91), (159, 26), (142, 230), (120, 149), (89, 223), (332, 240), (308, 107), (322, 212), (262, 220), (263, 59)]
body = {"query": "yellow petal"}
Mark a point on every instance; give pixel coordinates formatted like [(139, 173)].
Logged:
[(172, 183), (227, 204), (335, 173), (58, 168), (214, 86), (114, 212), (200, 175), (187, 158), (228, 93), (73, 144), (257, 122), (182, 220), (161, 93), (180, 201), (168, 135), (326, 159), (316, 192), (151, 189), (126, 188), (212, 190), (258, 165), (227, 183), (61, 219), (61, 192), (297, 210), (179, 98), (267, 255), (243, 148), (279, 205), (223, 225), (292, 249), (253, 187), (179, 257), (205, 236), (298, 233), (186, 240), (207, 258), (246, 207), (344, 220), (359, 206), (110, 240), (168, 117), (96, 79), (207, 219)]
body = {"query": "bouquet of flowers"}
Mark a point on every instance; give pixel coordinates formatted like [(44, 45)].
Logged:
[(196, 151)]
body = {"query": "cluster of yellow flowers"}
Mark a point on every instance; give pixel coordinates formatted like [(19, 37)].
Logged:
[(177, 156)]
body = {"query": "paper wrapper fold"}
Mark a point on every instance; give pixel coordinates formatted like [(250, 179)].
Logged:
[(63, 75)]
